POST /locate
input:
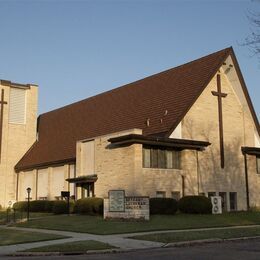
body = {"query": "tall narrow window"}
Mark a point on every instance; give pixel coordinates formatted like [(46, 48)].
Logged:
[(146, 158), (233, 200), (87, 158), (154, 158), (169, 159), (176, 159), (258, 165), (161, 159), (17, 106), (223, 196)]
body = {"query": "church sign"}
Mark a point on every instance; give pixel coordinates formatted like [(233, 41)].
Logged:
[(116, 200), (131, 207)]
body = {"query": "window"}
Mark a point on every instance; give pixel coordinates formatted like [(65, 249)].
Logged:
[(146, 158), (87, 155), (160, 194), (223, 196), (176, 195), (154, 157), (42, 198), (211, 194), (233, 200), (17, 107), (258, 165)]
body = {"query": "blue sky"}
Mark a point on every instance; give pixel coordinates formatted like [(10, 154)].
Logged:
[(76, 49)]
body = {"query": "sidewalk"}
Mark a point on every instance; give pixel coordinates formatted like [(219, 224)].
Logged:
[(121, 241), (118, 241)]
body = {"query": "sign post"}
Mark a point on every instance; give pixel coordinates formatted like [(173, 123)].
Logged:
[(66, 195)]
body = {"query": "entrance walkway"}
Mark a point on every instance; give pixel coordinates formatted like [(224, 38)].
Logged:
[(119, 241)]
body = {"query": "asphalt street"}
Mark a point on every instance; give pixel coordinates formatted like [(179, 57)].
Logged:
[(243, 249)]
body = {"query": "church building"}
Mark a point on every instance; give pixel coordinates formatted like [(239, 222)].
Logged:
[(189, 130)]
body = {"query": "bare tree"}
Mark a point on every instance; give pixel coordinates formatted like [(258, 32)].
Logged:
[(253, 40)]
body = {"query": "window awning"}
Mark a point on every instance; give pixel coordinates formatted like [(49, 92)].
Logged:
[(180, 144), (251, 150), (83, 179)]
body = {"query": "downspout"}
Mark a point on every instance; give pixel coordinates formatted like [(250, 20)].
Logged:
[(17, 186), (36, 190), (198, 174), (183, 185), (247, 186)]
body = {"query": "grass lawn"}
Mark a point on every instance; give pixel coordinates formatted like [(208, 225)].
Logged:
[(20, 215), (197, 235), (96, 224), (80, 246), (11, 237)]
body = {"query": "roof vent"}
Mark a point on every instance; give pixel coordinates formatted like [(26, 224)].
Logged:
[(161, 120), (148, 121), (166, 112)]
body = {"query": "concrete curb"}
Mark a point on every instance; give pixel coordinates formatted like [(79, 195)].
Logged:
[(207, 241), (118, 250), (88, 252)]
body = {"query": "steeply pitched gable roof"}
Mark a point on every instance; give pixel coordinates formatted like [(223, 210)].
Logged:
[(126, 107)]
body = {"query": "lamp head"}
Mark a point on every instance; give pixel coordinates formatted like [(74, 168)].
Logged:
[(28, 190)]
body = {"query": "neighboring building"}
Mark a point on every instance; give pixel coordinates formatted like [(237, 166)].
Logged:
[(18, 106), (188, 130)]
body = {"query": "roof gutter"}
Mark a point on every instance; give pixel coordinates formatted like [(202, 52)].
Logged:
[(180, 144)]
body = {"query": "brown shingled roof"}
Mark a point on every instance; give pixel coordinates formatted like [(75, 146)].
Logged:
[(126, 107)]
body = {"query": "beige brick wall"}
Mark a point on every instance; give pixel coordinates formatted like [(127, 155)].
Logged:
[(115, 168), (121, 168), (16, 140), (201, 123), (48, 181)]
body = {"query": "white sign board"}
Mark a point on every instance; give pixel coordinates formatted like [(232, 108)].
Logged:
[(134, 207), (216, 205), (116, 200)]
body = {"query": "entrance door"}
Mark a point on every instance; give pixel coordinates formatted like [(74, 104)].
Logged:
[(87, 190)]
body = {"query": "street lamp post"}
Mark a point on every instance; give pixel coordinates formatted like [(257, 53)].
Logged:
[(28, 203)]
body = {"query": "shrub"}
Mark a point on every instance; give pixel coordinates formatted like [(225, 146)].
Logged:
[(90, 206), (20, 205), (163, 206), (35, 206), (48, 206), (72, 204), (195, 205), (98, 205), (60, 207), (38, 205)]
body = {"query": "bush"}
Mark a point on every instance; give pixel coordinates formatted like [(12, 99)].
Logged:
[(48, 206), (163, 206), (98, 206), (35, 206), (60, 207), (38, 205), (20, 205), (90, 206), (195, 205)]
